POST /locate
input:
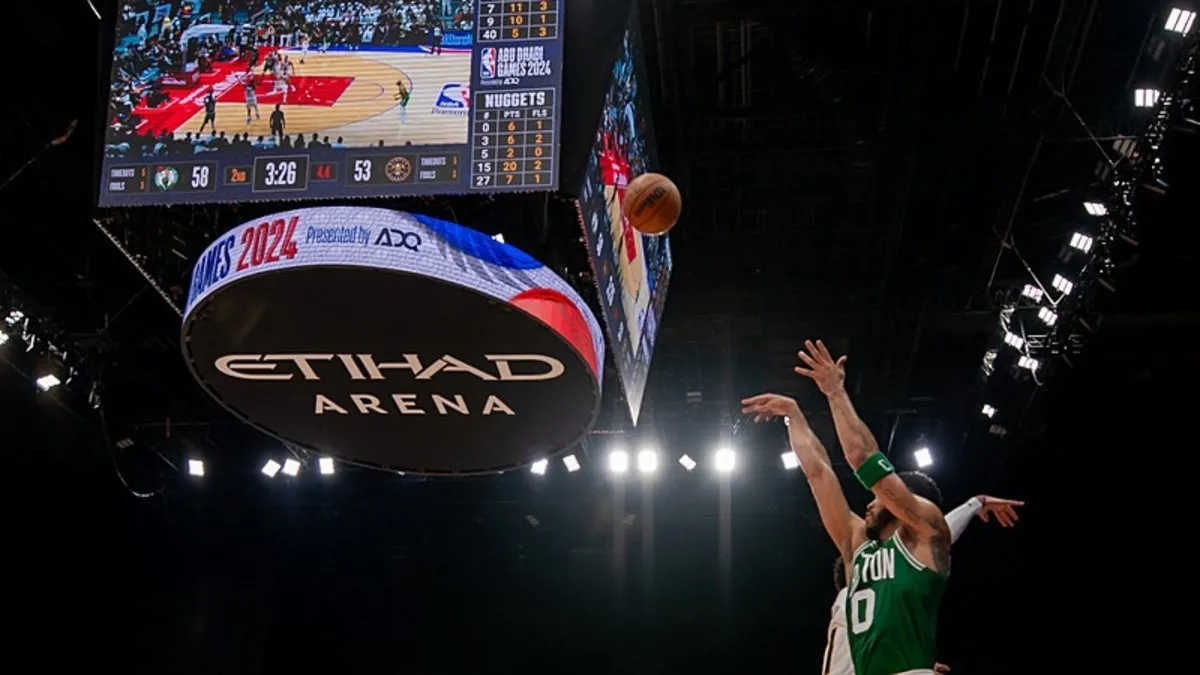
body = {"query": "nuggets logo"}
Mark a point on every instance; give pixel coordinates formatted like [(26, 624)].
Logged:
[(453, 99), (398, 169), (487, 63)]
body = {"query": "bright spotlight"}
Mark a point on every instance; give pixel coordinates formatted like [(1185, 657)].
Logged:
[(1048, 316), (48, 382), (325, 464), (572, 463), (724, 460), (790, 460), (1062, 284), (1082, 242), (1032, 292), (1180, 21), (195, 467), (618, 461), (291, 467), (647, 461), (687, 462), (1028, 363), (498, 237), (271, 468), (3, 337), (1013, 340), (988, 411), (538, 468), (923, 457), (1095, 209), (1146, 98)]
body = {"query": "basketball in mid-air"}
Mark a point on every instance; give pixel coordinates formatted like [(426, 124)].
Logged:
[(652, 204)]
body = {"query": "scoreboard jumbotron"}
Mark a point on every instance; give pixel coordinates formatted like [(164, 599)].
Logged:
[(327, 108)]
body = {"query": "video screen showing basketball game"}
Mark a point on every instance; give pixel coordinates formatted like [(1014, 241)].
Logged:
[(259, 100), (632, 270)]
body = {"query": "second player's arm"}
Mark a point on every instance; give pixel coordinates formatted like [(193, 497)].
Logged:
[(843, 525)]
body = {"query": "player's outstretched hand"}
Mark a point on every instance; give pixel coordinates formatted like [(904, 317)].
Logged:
[(766, 407), (941, 668), (1005, 510), (829, 374)]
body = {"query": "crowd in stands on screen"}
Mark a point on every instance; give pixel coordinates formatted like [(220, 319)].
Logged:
[(159, 145)]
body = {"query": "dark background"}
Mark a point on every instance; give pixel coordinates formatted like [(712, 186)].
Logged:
[(871, 173)]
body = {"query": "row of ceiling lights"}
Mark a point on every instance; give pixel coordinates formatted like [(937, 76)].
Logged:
[(618, 462), (1080, 244)]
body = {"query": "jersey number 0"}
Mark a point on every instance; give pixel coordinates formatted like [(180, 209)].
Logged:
[(862, 611)]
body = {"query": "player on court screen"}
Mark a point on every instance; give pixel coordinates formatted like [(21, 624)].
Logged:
[(403, 95)]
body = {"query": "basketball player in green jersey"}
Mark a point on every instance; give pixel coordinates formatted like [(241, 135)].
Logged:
[(899, 554), (403, 94)]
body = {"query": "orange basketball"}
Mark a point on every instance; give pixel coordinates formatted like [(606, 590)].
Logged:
[(652, 204)]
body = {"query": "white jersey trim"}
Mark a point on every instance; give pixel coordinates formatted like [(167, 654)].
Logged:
[(912, 560), (858, 550)]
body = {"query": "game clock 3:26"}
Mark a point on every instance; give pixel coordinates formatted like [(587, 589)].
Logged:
[(281, 173)]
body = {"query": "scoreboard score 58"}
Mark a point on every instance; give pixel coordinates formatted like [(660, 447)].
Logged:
[(473, 107)]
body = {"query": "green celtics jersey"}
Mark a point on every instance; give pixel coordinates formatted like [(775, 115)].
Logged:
[(891, 609)]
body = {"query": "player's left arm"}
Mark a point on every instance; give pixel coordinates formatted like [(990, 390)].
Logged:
[(920, 517)]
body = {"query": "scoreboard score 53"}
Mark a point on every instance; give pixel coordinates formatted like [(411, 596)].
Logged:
[(473, 107)]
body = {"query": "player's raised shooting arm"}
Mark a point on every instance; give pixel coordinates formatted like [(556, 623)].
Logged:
[(845, 528), (922, 517)]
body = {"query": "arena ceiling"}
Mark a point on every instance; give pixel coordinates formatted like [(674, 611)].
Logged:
[(850, 171)]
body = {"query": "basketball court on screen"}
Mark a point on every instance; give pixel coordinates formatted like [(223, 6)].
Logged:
[(351, 95)]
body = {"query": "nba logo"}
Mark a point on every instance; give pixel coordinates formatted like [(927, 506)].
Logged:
[(453, 99), (487, 63)]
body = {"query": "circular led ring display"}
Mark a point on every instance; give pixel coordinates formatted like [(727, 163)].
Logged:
[(393, 339)]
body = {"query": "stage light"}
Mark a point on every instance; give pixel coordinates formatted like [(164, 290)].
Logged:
[(1180, 21), (572, 463), (195, 468), (1146, 98), (618, 461), (998, 430), (1013, 340), (3, 337), (1081, 242), (647, 461), (538, 468), (1048, 316), (325, 464), (1032, 292), (687, 462), (923, 457), (988, 411), (48, 382), (790, 460), (1028, 363), (724, 460), (1062, 284), (271, 468), (1095, 209), (14, 317), (291, 467)]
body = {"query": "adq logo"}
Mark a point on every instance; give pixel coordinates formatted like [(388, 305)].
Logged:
[(393, 238)]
